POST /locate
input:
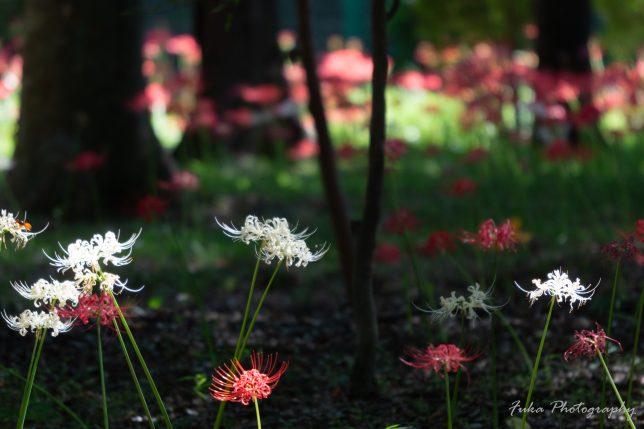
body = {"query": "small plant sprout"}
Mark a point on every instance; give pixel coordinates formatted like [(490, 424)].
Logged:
[(16, 230), (275, 239), (561, 289), (233, 383), (441, 359), (88, 261), (593, 343)]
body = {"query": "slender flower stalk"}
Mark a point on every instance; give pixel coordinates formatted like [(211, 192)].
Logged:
[(259, 420), (449, 406), (146, 371), (247, 310), (636, 341), (26, 395), (609, 325), (106, 419), (135, 379), (619, 398)]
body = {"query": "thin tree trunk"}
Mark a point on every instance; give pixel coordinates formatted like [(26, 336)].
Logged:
[(363, 378), (326, 158)]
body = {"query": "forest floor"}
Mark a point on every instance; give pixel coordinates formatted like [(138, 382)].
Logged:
[(315, 335)]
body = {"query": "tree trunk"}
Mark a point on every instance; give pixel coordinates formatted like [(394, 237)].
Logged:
[(82, 70), (363, 379), (328, 169)]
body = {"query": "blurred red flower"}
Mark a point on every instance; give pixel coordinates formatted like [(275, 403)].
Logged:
[(387, 253), (395, 149), (150, 207), (589, 343), (491, 237), (463, 187), (86, 161), (438, 241), (439, 359), (180, 181)]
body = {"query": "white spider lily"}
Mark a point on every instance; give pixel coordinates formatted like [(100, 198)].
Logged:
[(19, 231), (83, 254), (276, 240), (46, 292), (562, 288), (453, 305), (33, 320)]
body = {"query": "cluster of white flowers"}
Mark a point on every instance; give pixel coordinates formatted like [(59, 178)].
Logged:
[(276, 240), (84, 258), (19, 231), (31, 321), (451, 306), (45, 292), (562, 288)]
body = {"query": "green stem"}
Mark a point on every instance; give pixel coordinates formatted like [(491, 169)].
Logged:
[(101, 370), (458, 371), (247, 310), (449, 406), (533, 378), (611, 308), (259, 307), (495, 396), (638, 326), (133, 374), (466, 275), (148, 376), (416, 271), (259, 421), (515, 337), (29, 370), (40, 340), (47, 395), (612, 383)]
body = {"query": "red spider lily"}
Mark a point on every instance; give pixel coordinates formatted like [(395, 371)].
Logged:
[(86, 161), (439, 359), (347, 151), (233, 383), (92, 307), (387, 253), (401, 221), (625, 249), (589, 343), (639, 230), (185, 46), (395, 149), (559, 150), (489, 236), (150, 207), (587, 115), (438, 241), (463, 187), (348, 65)]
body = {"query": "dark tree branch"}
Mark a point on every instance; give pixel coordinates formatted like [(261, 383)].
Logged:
[(363, 377), (327, 158)]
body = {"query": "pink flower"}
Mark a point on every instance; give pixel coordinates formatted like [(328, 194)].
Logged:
[(303, 149), (86, 161), (260, 94), (639, 230), (181, 181), (186, 46), (387, 253), (439, 359), (463, 187), (100, 308), (489, 236), (401, 221), (589, 343), (348, 65), (394, 149), (438, 241), (235, 384)]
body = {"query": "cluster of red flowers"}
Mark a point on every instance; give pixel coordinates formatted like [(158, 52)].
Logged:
[(589, 343), (438, 241), (99, 308), (387, 253), (439, 359), (86, 161), (627, 248), (491, 237)]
